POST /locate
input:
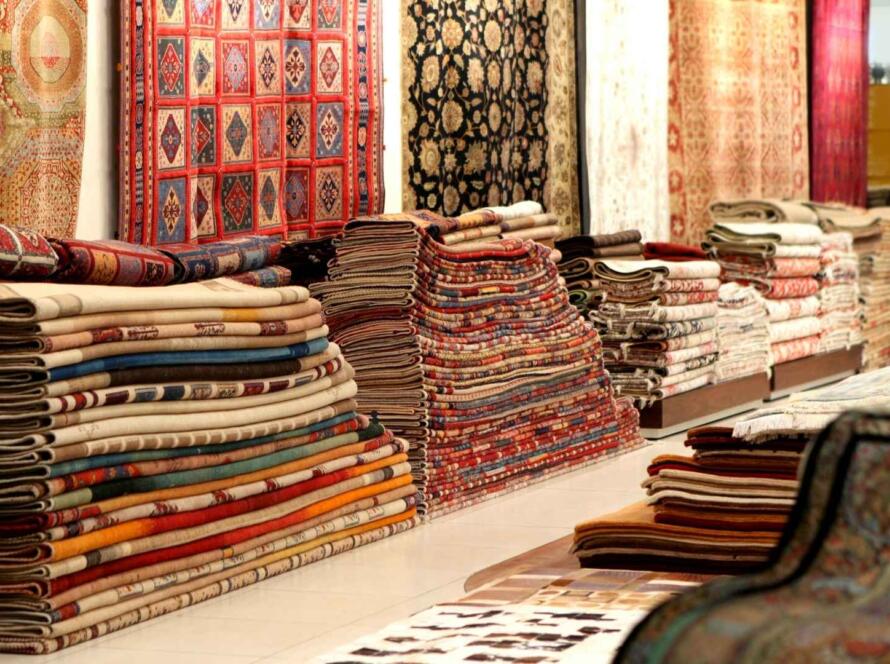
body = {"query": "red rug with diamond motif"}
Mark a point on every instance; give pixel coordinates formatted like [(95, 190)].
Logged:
[(249, 117)]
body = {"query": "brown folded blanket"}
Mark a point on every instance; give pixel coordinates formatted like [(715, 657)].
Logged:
[(582, 245), (670, 251)]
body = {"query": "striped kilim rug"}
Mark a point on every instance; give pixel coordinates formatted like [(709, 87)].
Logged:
[(161, 450)]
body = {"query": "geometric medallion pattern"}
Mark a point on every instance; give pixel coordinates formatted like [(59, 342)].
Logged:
[(249, 116)]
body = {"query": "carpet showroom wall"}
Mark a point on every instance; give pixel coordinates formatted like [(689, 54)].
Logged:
[(97, 218)]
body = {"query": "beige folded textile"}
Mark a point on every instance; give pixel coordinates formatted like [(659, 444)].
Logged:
[(32, 302), (629, 271), (765, 210), (533, 221), (520, 209), (542, 233), (780, 233), (80, 324)]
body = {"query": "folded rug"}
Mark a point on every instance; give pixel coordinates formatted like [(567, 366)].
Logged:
[(769, 210), (670, 251), (112, 262), (25, 254)]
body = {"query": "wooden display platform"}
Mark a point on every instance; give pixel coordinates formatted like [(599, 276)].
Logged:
[(706, 404), (814, 371), (555, 555)]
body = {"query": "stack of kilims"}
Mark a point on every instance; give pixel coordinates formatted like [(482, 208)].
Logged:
[(782, 261), (877, 299), (580, 255), (742, 332), (724, 508), (870, 244), (475, 355), (164, 446), (658, 325), (525, 220), (839, 293)]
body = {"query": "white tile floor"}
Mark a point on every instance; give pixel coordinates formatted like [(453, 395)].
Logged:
[(295, 617)]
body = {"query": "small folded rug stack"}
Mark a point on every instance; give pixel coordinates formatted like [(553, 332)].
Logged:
[(723, 509), (524, 220), (839, 293), (518, 224), (781, 260), (164, 446), (658, 325), (870, 243), (876, 296), (474, 354), (727, 484), (581, 253), (742, 332)]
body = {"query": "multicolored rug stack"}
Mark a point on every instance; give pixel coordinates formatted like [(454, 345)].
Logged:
[(658, 324), (782, 261), (165, 448), (839, 293), (723, 509), (742, 332), (581, 253), (475, 355)]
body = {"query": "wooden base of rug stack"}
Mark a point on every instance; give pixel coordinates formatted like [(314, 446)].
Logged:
[(473, 354), (165, 446)]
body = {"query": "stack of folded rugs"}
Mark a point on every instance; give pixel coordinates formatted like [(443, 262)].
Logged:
[(781, 260), (164, 446), (839, 293), (724, 508), (525, 221), (742, 332), (474, 355), (581, 253), (877, 298), (658, 325), (871, 242)]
